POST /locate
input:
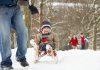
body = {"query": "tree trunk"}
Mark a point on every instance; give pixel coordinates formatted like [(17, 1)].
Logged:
[(28, 22), (13, 39), (41, 13), (94, 36)]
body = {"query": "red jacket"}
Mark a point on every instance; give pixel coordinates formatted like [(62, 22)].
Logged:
[(82, 40), (73, 41)]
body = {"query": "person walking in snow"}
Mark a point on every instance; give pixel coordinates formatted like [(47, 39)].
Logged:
[(12, 17), (46, 41), (74, 42), (84, 42)]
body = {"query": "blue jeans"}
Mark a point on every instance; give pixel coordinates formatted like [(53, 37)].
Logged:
[(82, 46), (12, 17)]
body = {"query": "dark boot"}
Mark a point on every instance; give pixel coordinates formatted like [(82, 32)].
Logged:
[(24, 63)]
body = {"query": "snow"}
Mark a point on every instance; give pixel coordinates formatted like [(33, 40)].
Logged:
[(68, 60)]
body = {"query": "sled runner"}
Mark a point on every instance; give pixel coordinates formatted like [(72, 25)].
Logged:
[(47, 53), (43, 52)]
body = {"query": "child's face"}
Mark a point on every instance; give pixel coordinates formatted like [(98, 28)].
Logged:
[(46, 30), (74, 36), (82, 35)]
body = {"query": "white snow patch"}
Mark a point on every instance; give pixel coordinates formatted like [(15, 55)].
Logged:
[(68, 60)]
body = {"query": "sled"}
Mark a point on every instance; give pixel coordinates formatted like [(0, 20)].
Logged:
[(55, 59)]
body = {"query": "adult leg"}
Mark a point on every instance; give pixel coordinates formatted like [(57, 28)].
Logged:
[(5, 21), (82, 46), (22, 34)]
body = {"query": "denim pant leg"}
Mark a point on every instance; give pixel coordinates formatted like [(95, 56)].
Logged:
[(5, 37), (21, 30), (82, 46)]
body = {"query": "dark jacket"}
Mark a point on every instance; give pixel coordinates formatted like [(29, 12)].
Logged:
[(8, 2)]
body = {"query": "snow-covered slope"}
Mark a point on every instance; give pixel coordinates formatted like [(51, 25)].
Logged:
[(68, 60)]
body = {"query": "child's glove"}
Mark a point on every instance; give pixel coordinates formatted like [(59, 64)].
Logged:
[(33, 9)]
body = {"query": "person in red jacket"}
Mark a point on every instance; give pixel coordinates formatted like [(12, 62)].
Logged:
[(74, 42), (82, 41)]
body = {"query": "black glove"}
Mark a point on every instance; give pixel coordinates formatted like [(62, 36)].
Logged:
[(33, 9)]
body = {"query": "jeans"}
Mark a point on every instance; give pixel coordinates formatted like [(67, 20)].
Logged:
[(12, 17), (42, 47), (83, 46)]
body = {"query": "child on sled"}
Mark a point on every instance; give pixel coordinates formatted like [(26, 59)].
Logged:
[(46, 42)]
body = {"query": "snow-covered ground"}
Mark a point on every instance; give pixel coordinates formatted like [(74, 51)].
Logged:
[(68, 60)]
